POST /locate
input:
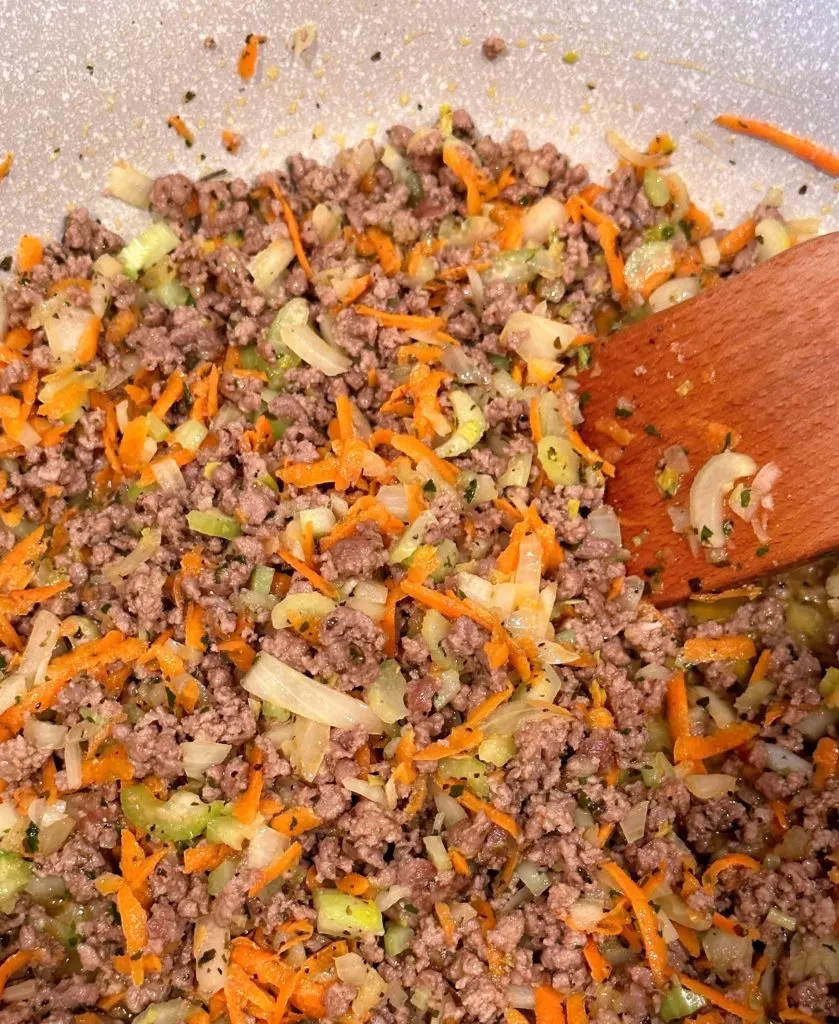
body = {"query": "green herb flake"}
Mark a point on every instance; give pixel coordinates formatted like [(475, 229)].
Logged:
[(31, 839), (622, 413), (762, 550), (705, 535), (745, 497), (471, 490), (651, 429)]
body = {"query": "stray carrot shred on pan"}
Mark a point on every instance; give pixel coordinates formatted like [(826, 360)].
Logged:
[(177, 123), (249, 56), (6, 164), (819, 156), (231, 140)]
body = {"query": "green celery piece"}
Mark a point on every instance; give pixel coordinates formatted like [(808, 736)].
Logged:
[(182, 817), (213, 524), (340, 914), (142, 252)]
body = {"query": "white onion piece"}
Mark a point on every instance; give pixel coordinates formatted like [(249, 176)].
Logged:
[(169, 476), (630, 597), (44, 735), (536, 880), (23, 991), (274, 681), (475, 588), (817, 723), (129, 185), (173, 1011), (681, 199), (710, 251), (586, 912), (680, 518), (710, 487), (322, 520), (351, 969), (542, 219), (634, 822), (648, 260), (449, 807), (310, 743), (305, 343), (437, 853), (603, 524), (634, 156), (771, 237), (39, 647), (267, 265), (266, 845), (210, 942), (537, 337), (198, 756), (709, 787), (672, 292), (147, 546), (676, 458), (476, 285), (386, 694), (785, 762), (529, 568), (307, 606), (456, 361), (361, 787), (389, 897), (394, 497), (73, 764), (521, 997), (411, 539)]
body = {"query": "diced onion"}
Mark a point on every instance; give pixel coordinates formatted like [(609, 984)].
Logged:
[(190, 435), (274, 681), (73, 764), (537, 337), (389, 897), (210, 942), (783, 761), (710, 251), (542, 219), (44, 735), (309, 745), (536, 880), (517, 472), (476, 286), (308, 345), (386, 694), (710, 487), (681, 199), (55, 825), (367, 789), (351, 969), (437, 853), (326, 223), (634, 156), (394, 497), (267, 265), (434, 629), (173, 1011), (129, 185), (198, 756), (727, 953), (521, 997), (672, 292), (771, 237), (585, 913), (709, 787), (457, 361), (559, 460), (603, 524), (321, 520), (302, 610), (39, 647), (168, 474), (266, 845), (449, 807), (147, 547), (475, 588), (634, 822), (64, 331)]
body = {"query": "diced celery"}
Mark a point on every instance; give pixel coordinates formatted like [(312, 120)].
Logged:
[(340, 914), (278, 428), (15, 873), (171, 294), (268, 481), (156, 427), (275, 372), (133, 492), (471, 426), (713, 611), (261, 579), (213, 524), (190, 435), (397, 939), (680, 1002), (447, 557), (179, 819), (470, 769), (232, 832), (142, 252), (220, 876), (656, 187), (497, 750), (655, 770)]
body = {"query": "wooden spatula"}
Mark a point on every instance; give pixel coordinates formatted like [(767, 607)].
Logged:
[(754, 362)]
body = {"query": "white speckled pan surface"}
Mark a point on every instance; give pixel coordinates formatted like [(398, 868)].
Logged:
[(84, 82)]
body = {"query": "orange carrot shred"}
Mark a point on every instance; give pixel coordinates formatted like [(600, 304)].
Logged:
[(647, 925), (248, 57), (575, 1008), (286, 860), (30, 252), (718, 998), (819, 156), (700, 649), (697, 748), (317, 581), (547, 1004), (597, 963), (177, 123), (246, 807), (731, 860)]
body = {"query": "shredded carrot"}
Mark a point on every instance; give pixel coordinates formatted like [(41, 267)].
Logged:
[(575, 1008), (819, 156), (471, 177), (513, 1016), (18, 566), (718, 998), (499, 818), (295, 821), (535, 420), (353, 884), (731, 860), (613, 430), (579, 446), (826, 760), (608, 233), (177, 123), (402, 321), (459, 863), (700, 649), (89, 340), (737, 239), (678, 713), (286, 860), (310, 474), (239, 653), (787, 1013), (386, 252), (134, 923), (483, 710), (317, 581), (205, 857), (762, 665), (170, 394), (13, 963), (246, 807), (547, 1003), (697, 748), (194, 627), (444, 916), (30, 252), (597, 963), (356, 288), (293, 231), (644, 915), (6, 164), (689, 939), (459, 740)]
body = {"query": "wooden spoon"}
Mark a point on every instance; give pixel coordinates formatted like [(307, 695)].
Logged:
[(754, 361)]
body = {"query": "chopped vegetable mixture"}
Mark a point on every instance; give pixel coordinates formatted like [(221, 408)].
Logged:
[(325, 695)]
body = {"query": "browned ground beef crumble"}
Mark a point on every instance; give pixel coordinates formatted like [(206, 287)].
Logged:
[(568, 776)]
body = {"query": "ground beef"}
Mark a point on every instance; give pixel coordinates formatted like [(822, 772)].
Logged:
[(352, 646), (493, 47)]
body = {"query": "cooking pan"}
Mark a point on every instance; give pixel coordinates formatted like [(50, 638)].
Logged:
[(84, 82)]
